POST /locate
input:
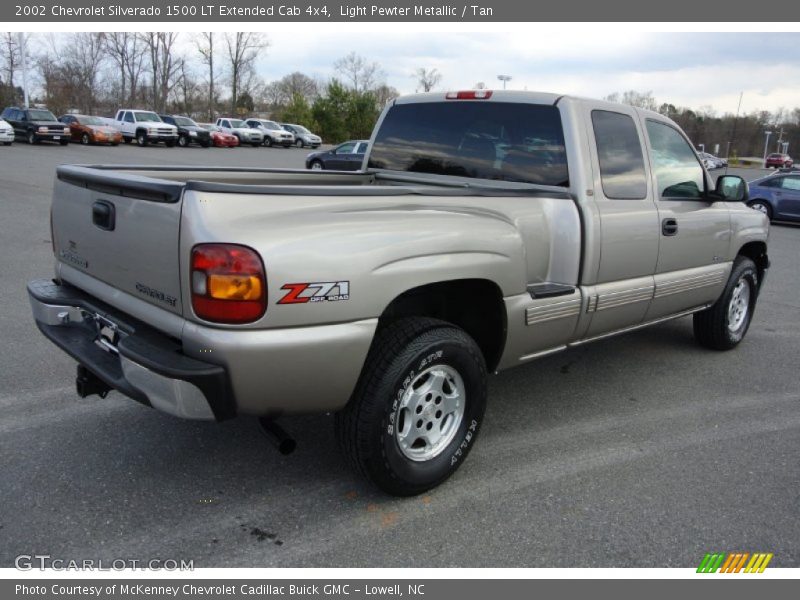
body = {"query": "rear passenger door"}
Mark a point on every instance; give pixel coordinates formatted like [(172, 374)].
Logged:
[(695, 230), (628, 221), (787, 195)]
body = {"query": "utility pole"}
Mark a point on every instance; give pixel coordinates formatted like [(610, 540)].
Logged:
[(23, 52), (766, 146)]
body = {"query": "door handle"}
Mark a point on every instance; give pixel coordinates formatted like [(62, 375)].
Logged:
[(103, 215), (669, 226)]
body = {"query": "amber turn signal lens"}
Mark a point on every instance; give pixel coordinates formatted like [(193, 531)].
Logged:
[(234, 287)]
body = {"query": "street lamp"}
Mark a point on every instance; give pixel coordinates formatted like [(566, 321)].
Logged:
[(504, 79), (766, 146)]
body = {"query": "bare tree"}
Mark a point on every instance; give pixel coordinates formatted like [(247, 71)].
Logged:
[(359, 72), (427, 79), (205, 47), (243, 49), (82, 58), (384, 93), (164, 66), (127, 51), (10, 52), (300, 84)]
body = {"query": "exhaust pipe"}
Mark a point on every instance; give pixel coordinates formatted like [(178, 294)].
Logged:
[(277, 435), (88, 384)]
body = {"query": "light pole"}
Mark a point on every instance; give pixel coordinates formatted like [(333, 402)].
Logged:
[(766, 146), (504, 79), (23, 51)]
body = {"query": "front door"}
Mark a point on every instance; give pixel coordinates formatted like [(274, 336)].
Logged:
[(695, 231), (788, 197)]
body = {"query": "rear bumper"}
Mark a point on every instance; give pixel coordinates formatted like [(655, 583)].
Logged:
[(147, 365)]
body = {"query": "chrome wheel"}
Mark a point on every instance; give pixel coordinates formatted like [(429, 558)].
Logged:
[(739, 305), (316, 166), (760, 207), (430, 413)]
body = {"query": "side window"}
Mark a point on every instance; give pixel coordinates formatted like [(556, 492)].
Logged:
[(128, 118), (619, 151), (678, 172), (362, 148), (345, 149), (791, 183), (774, 182)]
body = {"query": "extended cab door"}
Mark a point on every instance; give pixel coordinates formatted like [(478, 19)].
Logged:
[(628, 220), (695, 231)]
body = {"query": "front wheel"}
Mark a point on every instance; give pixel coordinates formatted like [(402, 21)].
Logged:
[(724, 325), (268, 141), (32, 139), (300, 144), (183, 141), (762, 207), (85, 139), (316, 165), (417, 407), (141, 139)]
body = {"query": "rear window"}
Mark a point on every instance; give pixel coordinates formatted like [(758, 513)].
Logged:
[(485, 140)]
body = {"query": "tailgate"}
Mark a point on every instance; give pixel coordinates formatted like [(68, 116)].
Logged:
[(122, 229)]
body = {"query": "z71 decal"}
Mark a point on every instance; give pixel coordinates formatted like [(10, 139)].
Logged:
[(323, 291)]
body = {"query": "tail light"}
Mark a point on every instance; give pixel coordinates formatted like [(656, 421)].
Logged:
[(469, 95), (228, 283)]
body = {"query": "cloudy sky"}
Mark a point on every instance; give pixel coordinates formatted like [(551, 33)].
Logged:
[(686, 69)]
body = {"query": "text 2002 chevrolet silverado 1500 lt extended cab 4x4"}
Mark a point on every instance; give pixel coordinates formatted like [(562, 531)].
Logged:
[(487, 229)]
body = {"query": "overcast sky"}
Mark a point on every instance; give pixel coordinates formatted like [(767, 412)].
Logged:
[(686, 69)]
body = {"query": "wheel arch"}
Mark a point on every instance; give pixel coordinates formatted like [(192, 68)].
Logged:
[(757, 252), (474, 305)]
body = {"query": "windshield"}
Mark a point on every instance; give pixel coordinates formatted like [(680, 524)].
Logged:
[(90, 121), (236, 123), (41, 115), (184, 122), (270, 125), (486, 140), (147, 117)]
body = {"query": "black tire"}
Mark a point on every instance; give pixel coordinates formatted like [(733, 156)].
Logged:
[(316, 165), (183, 141), (6, 143), (300, 144), (761, 206), (64, 142), (141, 139), (711, 326), (85, 139), (32, 139), (366, 427), (170, 144), (268, 141), (205, 144)]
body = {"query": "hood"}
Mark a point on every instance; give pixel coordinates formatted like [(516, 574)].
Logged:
[(107, 129), (48, 124), (195, 128), (155, 124)]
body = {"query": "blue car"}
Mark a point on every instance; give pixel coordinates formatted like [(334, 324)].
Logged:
[(777, 196)]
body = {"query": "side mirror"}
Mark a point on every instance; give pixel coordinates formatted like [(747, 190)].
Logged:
[(731, 188)]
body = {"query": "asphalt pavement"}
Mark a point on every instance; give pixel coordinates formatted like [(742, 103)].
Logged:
[(643, 450)]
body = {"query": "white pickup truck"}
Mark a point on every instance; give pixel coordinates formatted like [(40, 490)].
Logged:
[(145, 127), (486, 229)]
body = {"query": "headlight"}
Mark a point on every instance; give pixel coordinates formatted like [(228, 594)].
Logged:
[(193, 133), (66, 129), (42, 129)]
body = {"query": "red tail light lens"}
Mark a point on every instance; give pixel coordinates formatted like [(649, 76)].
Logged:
[(228, 283), (469, 95)]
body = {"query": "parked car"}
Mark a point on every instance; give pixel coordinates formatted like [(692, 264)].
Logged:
[(91, 130), (6, 133), (388, 296), (344, 157), (189, 132), (778, 160), (245, 133), (777, 196), (220, 138), (274, 134), (302, 136), (144, 126), (712, 162), (36, 125)]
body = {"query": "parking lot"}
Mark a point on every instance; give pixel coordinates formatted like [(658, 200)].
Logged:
[(643, 450)]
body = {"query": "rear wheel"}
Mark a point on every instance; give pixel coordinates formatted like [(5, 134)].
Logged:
[(724, 325), (762, 207), (85, 139), (417, 407)]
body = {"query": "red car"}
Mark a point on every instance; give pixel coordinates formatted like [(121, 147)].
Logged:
[(219, 138), (779, 160)]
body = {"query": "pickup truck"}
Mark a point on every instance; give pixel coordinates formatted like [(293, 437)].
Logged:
[(145, 127), (486, 229)]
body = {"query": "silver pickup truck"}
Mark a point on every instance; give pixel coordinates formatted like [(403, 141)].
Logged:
[(486, 229)]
